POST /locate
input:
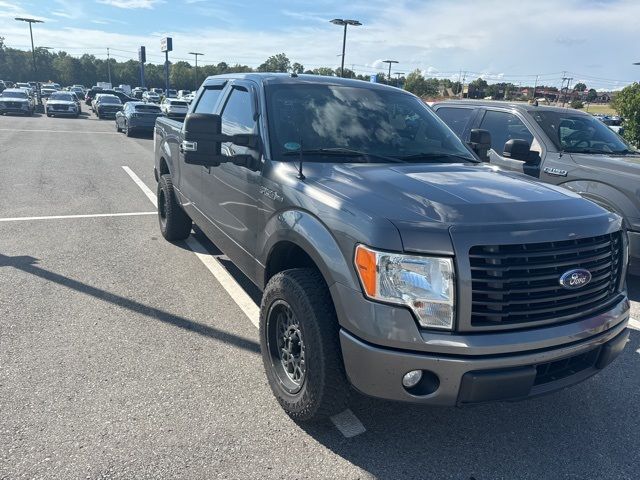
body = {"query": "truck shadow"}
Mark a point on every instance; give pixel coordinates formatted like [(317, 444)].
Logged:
[(30, 265), (586, 432)]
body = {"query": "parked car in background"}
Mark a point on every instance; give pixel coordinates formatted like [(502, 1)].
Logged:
[(137, 117), (137, 92), (172, 107), (107, 105), (189, 97), (16, 100), (91, 93), (615, 123), (46, 91), (80, 93), (26, 86), (62, 104), (565, 147), (171, 93), (2, 86), (183, 93), (159, 91), (150, 97)]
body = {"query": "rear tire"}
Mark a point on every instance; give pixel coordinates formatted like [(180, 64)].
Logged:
[(175, 224), (300, 345), (127, 131), (118, 129)]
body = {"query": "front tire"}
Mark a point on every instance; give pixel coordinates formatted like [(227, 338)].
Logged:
[(300, 345), (175, 224), (127, 131)]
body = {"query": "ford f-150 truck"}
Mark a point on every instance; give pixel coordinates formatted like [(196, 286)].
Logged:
[(561, 146), (391, 259)]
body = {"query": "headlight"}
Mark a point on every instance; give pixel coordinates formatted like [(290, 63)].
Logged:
[(424, 284)]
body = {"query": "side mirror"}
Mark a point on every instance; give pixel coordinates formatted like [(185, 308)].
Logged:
[(480, 143), (201, 145), (203, 138), (517, 149)]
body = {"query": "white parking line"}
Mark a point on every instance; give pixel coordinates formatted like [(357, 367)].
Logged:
[(346, 422), (64, 217), (233, 288), (52, 131), (633, 323)]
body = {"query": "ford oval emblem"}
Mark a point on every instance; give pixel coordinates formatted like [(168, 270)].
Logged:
[(575, 278)]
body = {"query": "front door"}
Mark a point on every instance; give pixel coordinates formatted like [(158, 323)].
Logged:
[(230, 192)]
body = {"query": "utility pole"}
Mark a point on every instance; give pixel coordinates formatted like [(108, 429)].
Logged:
[(464, 77), (109, 66), (564, 95), (196, 70), (389, 62), (535, 85)]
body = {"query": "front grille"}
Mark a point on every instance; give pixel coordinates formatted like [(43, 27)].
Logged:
[(520, 284), (14, 104)]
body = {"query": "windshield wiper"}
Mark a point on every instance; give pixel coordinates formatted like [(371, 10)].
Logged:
[(433, 155), (342, 152)]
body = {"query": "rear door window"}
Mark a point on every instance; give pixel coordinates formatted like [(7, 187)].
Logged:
[(456, 118), (208, 100), (503, 127)]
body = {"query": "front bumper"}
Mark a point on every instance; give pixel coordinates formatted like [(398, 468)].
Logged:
[(457, 380), (23, 110), (381, 343)]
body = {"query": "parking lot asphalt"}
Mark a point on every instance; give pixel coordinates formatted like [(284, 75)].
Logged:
[(122, 356)]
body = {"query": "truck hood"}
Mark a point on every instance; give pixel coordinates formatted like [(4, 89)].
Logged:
[(447, 195), (626, 164)]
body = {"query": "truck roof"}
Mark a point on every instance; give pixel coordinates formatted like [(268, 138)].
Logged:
[(522, 106), (287, 78)]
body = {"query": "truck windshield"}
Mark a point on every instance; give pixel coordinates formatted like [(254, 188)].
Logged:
[(579, 133), (376, 125)]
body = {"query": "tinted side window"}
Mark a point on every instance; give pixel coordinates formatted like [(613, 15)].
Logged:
[(208, 100), (237, 116), (456, 118), (504, 126)]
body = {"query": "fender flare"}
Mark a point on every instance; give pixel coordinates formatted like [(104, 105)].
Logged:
[(307, 232), (606, 196)]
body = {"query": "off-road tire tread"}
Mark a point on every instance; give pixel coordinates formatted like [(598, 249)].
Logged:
[(326, 390), (178, 225)]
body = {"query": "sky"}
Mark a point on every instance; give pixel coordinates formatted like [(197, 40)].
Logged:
[(594, 41)]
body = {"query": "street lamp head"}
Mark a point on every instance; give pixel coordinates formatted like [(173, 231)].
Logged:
[(355, 23), (390, 61), (30, 20), (637, 63), (338, 21), (195, 53)]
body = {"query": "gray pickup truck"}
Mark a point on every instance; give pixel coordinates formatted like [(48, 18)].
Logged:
[(391, 259), (561, 146)]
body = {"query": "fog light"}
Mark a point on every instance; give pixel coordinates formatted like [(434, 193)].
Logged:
[(412, 378)]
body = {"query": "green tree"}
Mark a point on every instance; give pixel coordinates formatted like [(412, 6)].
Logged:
[(297, 68), (580, 87), (181, 76), (477, 88), (420, 86), (326, 71), (276, 63), (627, 104), (577, 104), (592, 95)]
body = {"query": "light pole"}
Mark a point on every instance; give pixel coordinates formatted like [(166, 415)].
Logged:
[(195, 54), (345, 23), (109, 67), (389, 62), (33, 50), (398, 78)]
